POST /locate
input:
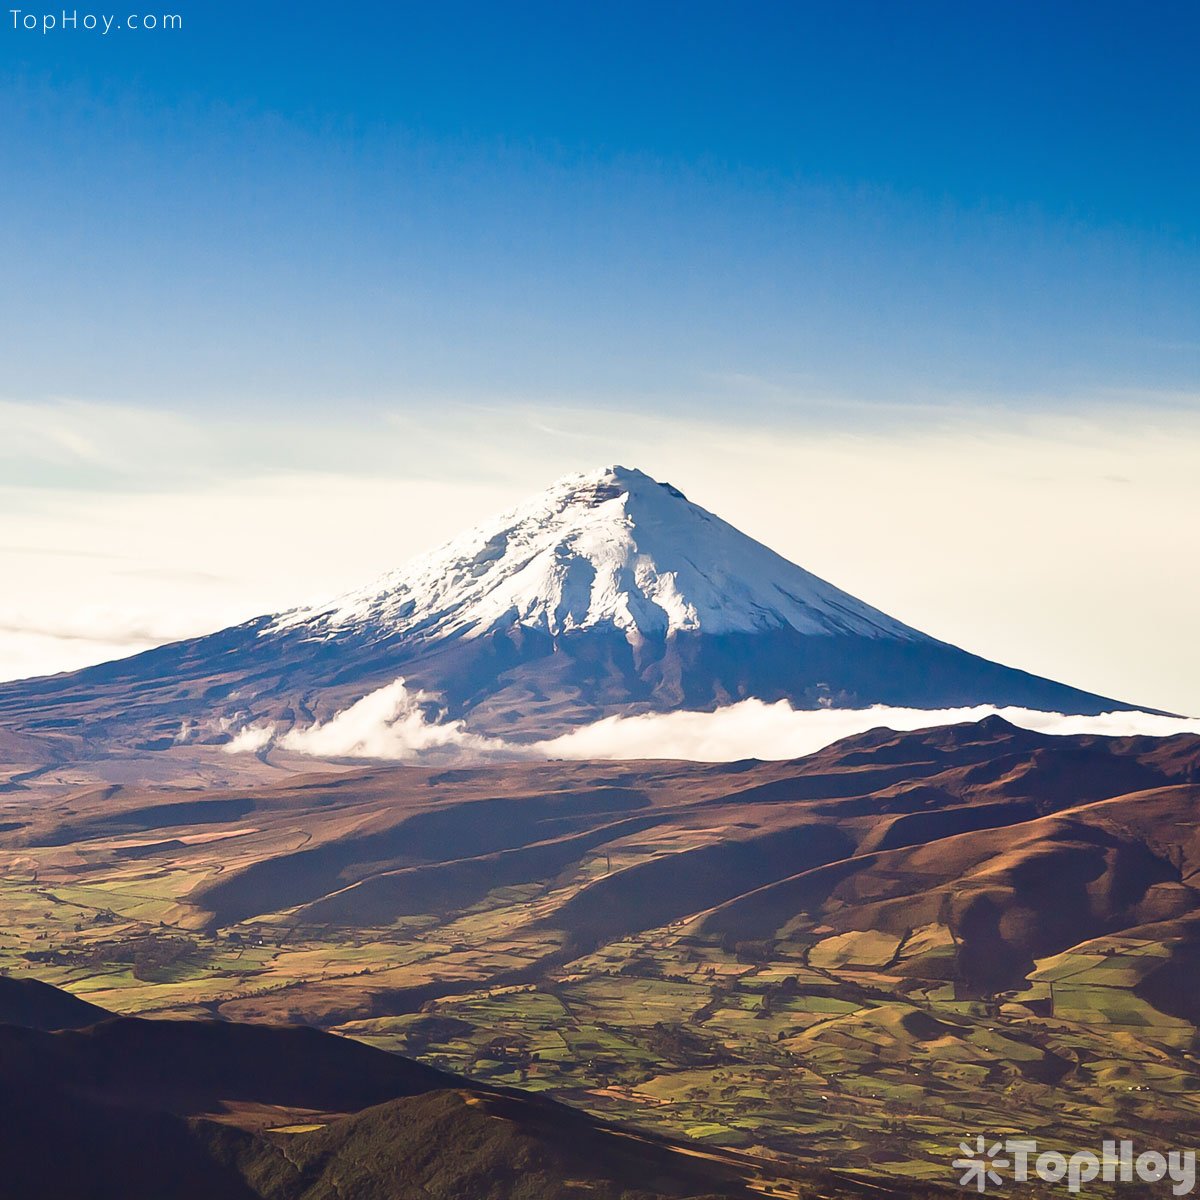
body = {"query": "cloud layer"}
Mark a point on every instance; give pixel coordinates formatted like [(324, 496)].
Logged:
[(754, 729), (399, 724), (392, 722)]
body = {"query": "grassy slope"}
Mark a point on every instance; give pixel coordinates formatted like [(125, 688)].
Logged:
[(175, 1109), (850, 959)]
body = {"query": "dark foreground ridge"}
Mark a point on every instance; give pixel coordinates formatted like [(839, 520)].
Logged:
[(128, 1109)]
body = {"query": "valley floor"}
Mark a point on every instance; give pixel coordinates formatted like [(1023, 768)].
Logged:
[(857, 959)]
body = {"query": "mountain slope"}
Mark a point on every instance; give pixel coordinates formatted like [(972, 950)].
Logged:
[(843, 959), (613, 549), (610, 593), (172, 1110), (35, 1005)]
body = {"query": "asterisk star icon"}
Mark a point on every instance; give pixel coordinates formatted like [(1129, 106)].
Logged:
[(979, 1162)]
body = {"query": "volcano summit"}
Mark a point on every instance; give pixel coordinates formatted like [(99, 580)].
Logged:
[(610, 593)]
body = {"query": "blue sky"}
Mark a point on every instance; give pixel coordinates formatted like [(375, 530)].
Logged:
[(663, 204), (909, 291)]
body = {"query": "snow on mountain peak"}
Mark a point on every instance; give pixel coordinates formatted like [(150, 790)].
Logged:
[(606, 548)]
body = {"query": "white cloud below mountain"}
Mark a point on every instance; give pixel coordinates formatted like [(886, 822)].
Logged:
[(394, 723)]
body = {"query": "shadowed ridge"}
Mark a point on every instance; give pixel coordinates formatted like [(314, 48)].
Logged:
[(35, 1005), (192, 1067), (127, 1110)]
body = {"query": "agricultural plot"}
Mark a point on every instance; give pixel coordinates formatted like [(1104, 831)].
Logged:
[(658, 945)]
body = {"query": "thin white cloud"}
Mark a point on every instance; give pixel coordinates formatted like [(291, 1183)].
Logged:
[(754, 729), (392, 722), (398, 724), (250, 740)]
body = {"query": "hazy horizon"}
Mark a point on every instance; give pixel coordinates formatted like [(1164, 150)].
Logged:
[(294, 296)]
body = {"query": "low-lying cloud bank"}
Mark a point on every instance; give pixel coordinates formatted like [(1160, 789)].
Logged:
[(398, 723), (392, 722), (754, 729)]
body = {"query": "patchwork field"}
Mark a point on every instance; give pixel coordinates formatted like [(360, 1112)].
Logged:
[(849, 960)]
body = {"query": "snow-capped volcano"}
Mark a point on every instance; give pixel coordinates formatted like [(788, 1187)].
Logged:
[(609, 549), (608, 594)]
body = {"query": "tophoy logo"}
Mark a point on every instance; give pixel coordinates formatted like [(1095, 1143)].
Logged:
[(979, 1164), (989, 1162)]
